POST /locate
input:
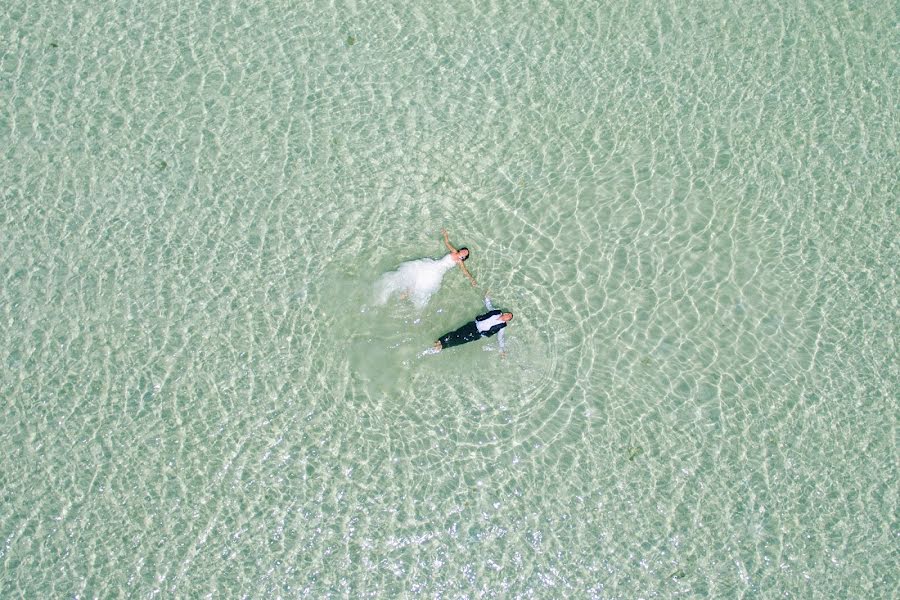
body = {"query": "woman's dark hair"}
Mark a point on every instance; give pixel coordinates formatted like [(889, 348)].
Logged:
[(468, 254)]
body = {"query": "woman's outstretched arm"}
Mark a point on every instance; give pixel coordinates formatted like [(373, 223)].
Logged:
[(467, 274), (447, 240)]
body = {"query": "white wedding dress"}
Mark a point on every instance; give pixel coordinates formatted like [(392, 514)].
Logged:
[(418, 279)]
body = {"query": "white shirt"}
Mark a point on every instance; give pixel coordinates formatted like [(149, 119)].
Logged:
[(490, 322)]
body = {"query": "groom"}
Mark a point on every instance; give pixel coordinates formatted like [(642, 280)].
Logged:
[(484, 325)]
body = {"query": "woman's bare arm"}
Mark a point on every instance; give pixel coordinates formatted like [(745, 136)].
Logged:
[(467, 274), (447, 240)]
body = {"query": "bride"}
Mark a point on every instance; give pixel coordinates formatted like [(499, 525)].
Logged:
[(419, 279)]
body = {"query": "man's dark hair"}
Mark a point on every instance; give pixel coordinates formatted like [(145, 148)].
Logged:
[(468, 254)]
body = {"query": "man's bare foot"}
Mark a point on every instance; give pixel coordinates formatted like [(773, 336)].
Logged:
[(438, 346)]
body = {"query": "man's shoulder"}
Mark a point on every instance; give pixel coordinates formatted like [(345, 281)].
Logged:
[(487, 315)]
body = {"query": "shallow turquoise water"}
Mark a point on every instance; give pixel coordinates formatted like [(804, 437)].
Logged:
[(691, 211)]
